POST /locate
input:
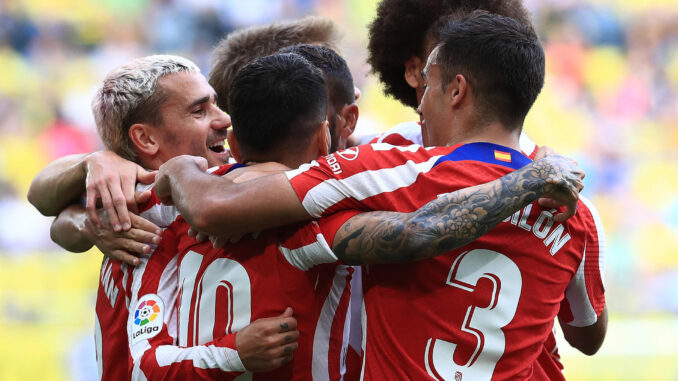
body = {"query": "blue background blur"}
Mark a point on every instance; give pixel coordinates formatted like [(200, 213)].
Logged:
[(610, 101)]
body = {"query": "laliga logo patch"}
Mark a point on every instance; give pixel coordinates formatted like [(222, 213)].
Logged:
[(148, 318), (349, 153)]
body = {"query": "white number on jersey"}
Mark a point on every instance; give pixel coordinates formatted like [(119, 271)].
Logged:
[(223, 288), (484, 323)]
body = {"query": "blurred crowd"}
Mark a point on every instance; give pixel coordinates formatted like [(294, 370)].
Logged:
[(610, 101)]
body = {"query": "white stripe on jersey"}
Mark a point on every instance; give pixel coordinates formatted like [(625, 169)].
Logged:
[(204, 357), (321, 338), (161, 215), (140, 348), (167, 292), (600, 231), (576, 293), (302, 168), (310, 255), (364, 185)]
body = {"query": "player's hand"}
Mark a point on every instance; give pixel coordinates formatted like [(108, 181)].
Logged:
[(268, 343), (544, 151), (163, 188), (198, 236), (127, 245), (113, 179), (564, 181)]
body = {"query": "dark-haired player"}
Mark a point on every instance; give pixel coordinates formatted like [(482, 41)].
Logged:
[(480, 312), (399, 43)]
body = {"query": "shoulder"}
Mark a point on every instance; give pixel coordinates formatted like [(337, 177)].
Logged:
[(401, 134)]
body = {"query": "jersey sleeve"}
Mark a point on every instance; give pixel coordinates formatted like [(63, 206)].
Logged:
[(585, 295), (330, 225), (152, 326), (342, 180)]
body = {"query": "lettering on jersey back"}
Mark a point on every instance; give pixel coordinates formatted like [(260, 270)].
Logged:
[(334, 165), (108, 282), (542, 228)]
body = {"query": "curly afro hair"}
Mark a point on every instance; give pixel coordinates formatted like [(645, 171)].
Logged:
[(400, 31)]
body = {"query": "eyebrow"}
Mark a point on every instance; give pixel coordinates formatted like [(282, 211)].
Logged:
[(204, 99)]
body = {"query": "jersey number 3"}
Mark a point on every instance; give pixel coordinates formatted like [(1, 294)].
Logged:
[(483, 323)]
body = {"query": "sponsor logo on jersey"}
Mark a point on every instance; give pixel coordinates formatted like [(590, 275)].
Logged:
[(148, 318), (349, 153)]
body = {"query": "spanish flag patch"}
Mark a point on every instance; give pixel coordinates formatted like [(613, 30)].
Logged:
[(502, 156)]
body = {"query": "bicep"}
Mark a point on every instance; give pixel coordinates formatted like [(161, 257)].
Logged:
[(57, 184)]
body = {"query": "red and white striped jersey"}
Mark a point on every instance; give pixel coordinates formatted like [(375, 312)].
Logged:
[(481, 312), (408, 133), (111, 317), (151, 324), (199, 297)]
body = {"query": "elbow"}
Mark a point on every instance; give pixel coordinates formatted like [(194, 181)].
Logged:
[(37, 201), (73, 245), (587, 347), (587, 340)]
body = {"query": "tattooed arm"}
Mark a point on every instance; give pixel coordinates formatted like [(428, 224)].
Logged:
[(455, 219)]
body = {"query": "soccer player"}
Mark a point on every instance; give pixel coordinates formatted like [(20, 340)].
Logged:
[(492, 325), (317, 39), (148, 111), (402, 35), (278, 106), (244, 45), (399, 43), (106, 176)]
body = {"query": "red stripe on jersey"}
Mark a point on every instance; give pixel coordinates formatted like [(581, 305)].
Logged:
[(111, 319)]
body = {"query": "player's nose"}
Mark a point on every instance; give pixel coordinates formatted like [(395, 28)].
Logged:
[(222, 121)]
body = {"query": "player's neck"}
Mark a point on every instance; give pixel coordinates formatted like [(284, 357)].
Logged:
[(495, 133)]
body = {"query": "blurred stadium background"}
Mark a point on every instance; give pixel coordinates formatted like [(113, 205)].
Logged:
[(610, 101)]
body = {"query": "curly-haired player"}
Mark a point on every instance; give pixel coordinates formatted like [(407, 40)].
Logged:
[(404, 32)]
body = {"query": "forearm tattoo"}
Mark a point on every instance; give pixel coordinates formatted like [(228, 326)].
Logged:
[(453, 219)]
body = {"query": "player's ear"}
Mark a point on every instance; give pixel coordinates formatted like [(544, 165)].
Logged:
[(457, 90), (346, 120), (413, 68), (233, 145), (323, 138), (144, 138)]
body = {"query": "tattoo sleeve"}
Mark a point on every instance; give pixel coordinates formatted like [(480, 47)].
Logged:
[(452, 219)]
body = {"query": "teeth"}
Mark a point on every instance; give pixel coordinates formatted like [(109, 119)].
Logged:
[(218, 145)]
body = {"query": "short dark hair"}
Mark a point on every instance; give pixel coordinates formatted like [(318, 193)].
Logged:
[(337, 75), (276, 103), (400, 31), (502, 61), (244, 45)]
